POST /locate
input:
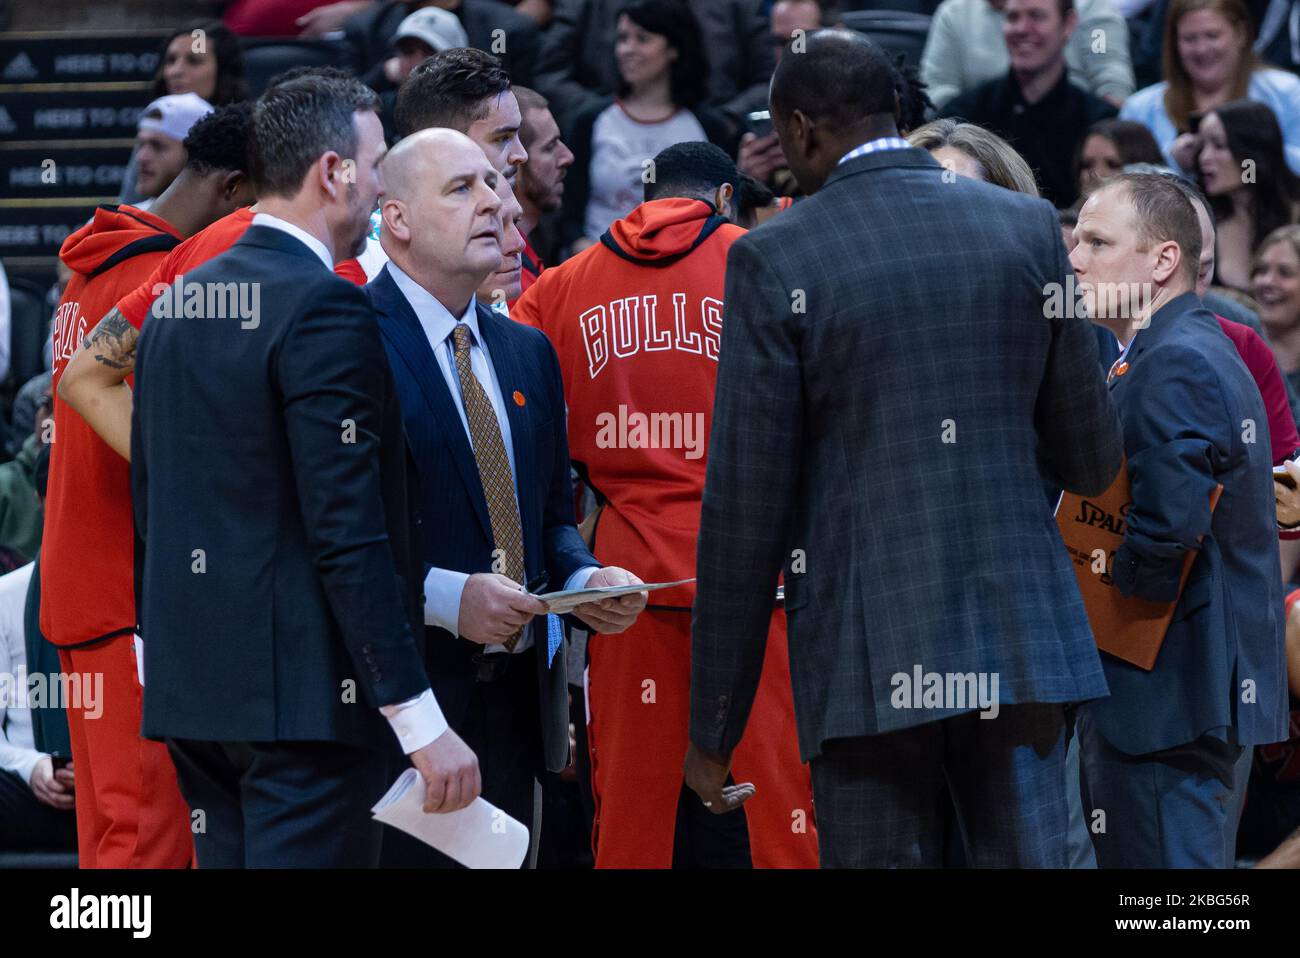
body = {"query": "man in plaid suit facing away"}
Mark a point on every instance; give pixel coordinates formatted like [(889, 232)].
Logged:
[(896, 382)]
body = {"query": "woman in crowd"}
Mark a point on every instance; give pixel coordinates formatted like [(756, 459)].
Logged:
[(1208, 61), (1275, 285), (1241, 167), (663, 77), (1108, 147), (204, 59), (972, 151)]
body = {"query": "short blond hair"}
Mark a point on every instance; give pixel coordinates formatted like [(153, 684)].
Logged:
[(997, 159), (1283, 234)]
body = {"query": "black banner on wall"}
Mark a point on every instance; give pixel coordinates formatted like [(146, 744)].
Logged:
[(63, 168), (64, 58), (31, 228), (71, 111)]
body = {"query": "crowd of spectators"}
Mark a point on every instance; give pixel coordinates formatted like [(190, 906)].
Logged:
[(1036, 96)]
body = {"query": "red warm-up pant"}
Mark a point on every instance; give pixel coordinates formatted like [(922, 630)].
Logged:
[(130, 813), (638, 692)]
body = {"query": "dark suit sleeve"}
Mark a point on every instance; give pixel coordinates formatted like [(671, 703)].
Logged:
[(326, 374), (754, 457), (559, 57), (1080, 443), (566, 553), (524, 42), (755, 60), (139, 471), (580, 128), (139, 474), (1176, 427)]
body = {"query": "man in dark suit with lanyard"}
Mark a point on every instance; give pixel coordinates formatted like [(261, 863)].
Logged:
[(483, 406), (281, 580), (1159, 754)]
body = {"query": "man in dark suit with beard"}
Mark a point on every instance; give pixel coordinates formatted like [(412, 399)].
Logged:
[(281, 572)]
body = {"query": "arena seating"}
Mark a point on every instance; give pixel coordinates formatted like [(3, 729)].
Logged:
[(265, 57), (898, 31)]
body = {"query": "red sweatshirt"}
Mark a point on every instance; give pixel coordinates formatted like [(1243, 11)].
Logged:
[(87, 555), (637, 322)]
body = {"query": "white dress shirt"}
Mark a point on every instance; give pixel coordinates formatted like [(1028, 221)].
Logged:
[(418, 721), (443, 587), (5, 323), (17, 741), (875, 146), (298, 233)]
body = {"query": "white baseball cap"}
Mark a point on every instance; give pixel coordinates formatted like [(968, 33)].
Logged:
[(174, 115), (438, 28)]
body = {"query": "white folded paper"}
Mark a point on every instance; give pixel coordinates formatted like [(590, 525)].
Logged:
[(562, 602), (478, 836), (137, 644)]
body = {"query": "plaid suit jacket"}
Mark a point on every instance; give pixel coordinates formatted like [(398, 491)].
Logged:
[(902, 366)]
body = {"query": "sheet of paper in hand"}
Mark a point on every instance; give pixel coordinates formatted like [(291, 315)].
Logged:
[(562, 602), (480, 835), (1093, 527)]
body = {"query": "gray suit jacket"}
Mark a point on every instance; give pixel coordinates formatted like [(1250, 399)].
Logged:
[(896, 382)]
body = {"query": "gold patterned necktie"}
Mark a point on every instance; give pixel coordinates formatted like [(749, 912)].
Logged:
[(493, 469)]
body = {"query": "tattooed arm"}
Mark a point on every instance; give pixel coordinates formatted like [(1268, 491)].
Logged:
[(94, 384)]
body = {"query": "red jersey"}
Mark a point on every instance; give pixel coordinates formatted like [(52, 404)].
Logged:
[(1257, 356), (531, 266), (637, 322), (204, 245), (352, 271), (88, 550), (212, 241)]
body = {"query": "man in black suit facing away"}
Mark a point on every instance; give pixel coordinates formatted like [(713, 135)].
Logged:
[(281, 564), (893, 389)]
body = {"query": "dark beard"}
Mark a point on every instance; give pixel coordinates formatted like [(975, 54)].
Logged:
[(358, 244)]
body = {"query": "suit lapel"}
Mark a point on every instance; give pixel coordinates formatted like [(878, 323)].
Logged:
[(511, 380), (401, 327), (268, 237)]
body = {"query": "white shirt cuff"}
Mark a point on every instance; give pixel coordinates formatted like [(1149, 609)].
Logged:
[(416, 722), (28, 766), (442, 591), (579, 579)]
